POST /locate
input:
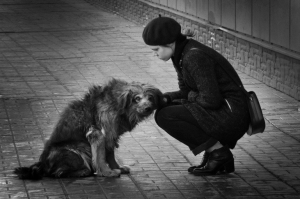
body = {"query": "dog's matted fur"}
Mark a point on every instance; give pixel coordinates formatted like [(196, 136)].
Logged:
[(88, 131)]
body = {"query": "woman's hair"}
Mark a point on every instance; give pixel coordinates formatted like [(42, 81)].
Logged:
[(188, 32), (182, 36)]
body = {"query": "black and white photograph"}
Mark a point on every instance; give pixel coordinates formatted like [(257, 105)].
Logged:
[(149, 99)]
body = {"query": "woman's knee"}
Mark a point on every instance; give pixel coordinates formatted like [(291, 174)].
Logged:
[(162, 117), (170, 114)]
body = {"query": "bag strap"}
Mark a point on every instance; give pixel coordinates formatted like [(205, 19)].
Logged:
[(231, 77)]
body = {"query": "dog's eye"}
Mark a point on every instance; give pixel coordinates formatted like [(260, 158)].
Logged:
[(137, 99), (150, 98)]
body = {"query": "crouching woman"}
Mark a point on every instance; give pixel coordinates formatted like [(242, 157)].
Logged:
[(209, 111)]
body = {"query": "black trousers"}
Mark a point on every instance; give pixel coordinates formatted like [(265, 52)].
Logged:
[(178, 122)]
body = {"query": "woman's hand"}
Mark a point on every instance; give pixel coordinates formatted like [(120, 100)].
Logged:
[(192, 96), (165, 100)]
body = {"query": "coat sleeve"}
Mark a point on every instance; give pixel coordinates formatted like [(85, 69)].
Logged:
[(183, 91), (202, 71)]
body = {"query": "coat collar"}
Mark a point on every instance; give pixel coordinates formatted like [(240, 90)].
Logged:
[(177, 57)]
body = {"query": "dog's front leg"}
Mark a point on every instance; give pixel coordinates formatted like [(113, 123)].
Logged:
[(110, 158), (97, 142)]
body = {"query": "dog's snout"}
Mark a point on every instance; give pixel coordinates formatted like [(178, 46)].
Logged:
[(148, 109)]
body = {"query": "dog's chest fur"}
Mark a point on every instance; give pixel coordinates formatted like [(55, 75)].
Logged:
[(107, 112)]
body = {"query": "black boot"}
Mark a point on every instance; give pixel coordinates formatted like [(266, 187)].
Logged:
[(220, 160), (202, 164)]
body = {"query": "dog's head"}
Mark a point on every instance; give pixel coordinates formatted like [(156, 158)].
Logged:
[(140, 100)]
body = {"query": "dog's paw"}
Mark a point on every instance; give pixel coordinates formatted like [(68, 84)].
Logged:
[(125, 169), (99, 174), (112, 173), (58, 174), (118, 171)]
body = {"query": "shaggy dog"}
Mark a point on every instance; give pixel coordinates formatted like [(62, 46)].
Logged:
[(88, 131)]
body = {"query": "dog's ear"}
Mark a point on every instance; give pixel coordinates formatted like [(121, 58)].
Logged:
[(158, 96), (159, 102), (125, 99)]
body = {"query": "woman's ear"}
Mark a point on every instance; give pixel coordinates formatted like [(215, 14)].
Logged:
[(172, 45), (160, 100)]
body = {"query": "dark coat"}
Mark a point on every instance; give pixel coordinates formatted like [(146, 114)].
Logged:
[(216, 102)]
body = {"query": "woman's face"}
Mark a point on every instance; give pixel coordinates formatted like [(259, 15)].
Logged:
[(163, 52)]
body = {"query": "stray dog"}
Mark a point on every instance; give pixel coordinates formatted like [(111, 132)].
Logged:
[(88, 131)]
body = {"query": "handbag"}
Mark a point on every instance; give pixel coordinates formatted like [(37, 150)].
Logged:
[(257, 121)]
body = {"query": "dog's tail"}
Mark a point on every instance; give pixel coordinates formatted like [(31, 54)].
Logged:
[(34, 172)]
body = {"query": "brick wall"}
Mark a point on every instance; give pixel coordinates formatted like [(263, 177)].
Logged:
[(270, 67)]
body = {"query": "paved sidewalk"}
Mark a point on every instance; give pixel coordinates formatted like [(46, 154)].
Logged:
[(52, 50)]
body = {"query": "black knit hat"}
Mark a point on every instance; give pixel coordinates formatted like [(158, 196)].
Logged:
[(161, 31)]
